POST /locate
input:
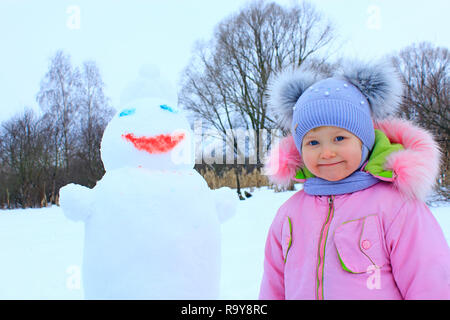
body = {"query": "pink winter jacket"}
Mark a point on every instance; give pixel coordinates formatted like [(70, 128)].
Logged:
[(379, 243)]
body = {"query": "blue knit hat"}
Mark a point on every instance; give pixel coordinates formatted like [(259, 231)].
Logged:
[(333, 102), (352, 99)]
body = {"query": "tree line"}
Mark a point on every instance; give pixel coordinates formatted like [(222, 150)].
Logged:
[(224, 85), (42, 151)]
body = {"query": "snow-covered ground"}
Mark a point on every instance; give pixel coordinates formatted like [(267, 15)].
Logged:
[(41, 251)]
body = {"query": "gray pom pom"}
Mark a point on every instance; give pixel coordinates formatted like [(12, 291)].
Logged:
[(380, 84), (284, 92)]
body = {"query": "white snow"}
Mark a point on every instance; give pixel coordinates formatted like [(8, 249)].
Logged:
[(41, 250)]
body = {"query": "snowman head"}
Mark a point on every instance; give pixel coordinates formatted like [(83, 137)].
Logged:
[(148, 134)]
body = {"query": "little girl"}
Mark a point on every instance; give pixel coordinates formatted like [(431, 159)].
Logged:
[(359, 229)]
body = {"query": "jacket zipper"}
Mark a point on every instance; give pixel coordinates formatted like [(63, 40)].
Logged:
[(321, 249)]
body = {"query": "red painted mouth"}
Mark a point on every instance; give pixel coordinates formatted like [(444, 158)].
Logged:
[(157, 144)]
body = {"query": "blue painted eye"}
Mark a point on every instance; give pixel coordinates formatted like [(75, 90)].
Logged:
[(166, 107), (340, 138), (313, 142), (127, 112)]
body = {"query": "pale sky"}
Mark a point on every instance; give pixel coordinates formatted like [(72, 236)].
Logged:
[(133, 39)]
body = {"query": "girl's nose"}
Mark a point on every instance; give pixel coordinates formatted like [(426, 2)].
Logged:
[(328, 153)]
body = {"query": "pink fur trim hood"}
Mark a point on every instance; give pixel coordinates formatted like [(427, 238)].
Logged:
[(415, 168)]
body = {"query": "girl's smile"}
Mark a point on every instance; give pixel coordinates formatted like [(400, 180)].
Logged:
[(329, 164)]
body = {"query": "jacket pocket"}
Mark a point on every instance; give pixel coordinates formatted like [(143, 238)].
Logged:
[(359, 244), (286, 237)]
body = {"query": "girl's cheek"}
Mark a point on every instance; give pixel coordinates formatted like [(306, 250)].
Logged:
[(308, 160)]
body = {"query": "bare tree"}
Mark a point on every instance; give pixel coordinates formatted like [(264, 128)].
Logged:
[(59, 100), (426, 72), (22, 148), (94, 113), (226, 80)]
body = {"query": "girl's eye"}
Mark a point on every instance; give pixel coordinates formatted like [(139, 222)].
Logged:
[(340, 138), (313, 142)]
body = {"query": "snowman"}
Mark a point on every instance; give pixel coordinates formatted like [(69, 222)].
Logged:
[(152, 225)]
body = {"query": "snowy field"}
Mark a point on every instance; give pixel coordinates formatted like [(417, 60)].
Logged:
[(41, 250)]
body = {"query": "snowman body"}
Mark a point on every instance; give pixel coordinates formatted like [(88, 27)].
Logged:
[(152, 230)]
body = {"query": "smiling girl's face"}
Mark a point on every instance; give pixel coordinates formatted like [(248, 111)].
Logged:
[(331, 153)]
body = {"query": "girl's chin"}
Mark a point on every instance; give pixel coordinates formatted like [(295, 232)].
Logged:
[(331, 177)]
